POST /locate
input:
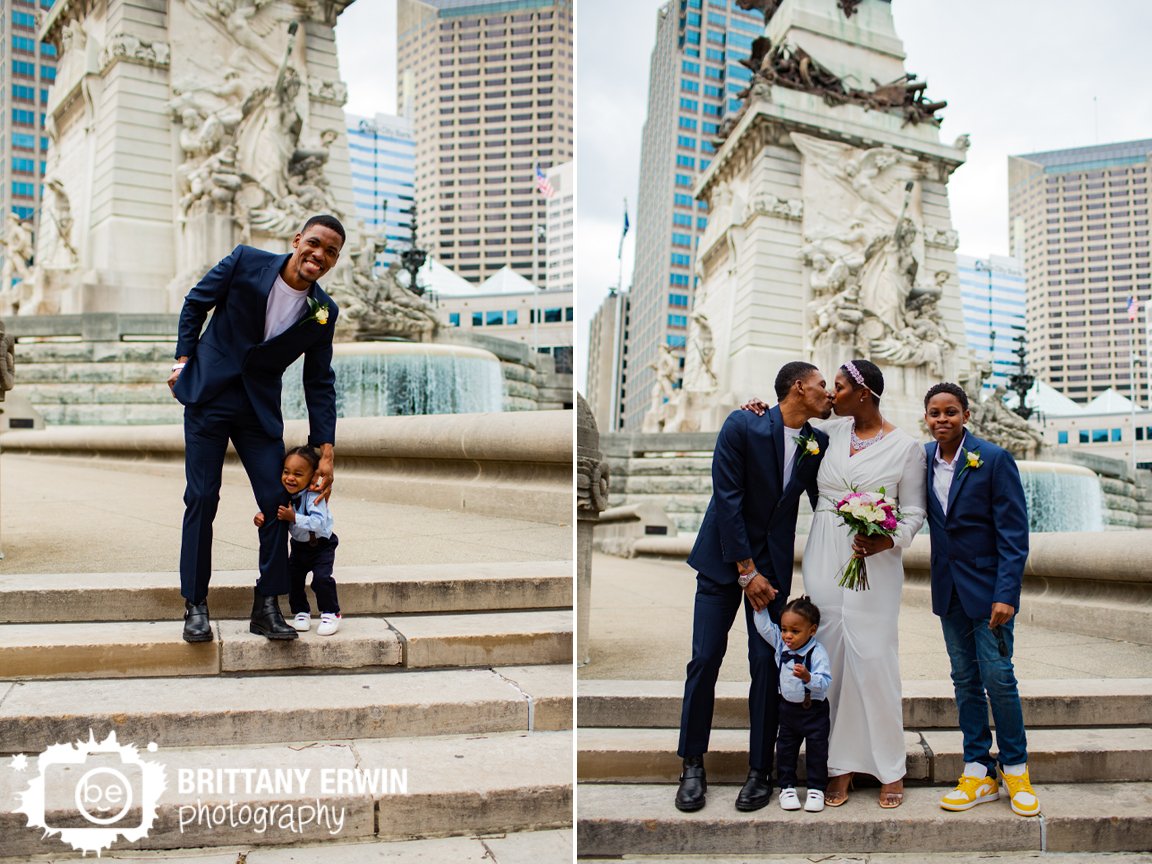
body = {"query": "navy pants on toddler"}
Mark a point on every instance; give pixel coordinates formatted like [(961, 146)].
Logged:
[(304, 557)]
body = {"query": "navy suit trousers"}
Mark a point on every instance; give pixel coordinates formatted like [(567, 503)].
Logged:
[(207, 429), (715, 611)]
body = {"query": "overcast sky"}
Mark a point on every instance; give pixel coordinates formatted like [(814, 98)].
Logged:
[(1020, 76), (366, 48)]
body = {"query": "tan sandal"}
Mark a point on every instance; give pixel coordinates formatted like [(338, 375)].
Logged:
[(891, 798), (835, 799)]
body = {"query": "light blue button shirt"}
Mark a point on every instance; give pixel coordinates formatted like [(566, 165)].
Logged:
[(819, 666), (312, 518)]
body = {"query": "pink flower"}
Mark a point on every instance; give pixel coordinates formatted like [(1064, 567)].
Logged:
[(890, 523)]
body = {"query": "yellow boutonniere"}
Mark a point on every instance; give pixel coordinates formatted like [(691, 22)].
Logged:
[(319, 312), (971, 460), (808, 445)]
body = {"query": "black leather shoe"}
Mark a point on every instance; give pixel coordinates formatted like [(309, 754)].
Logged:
[(693, 785), (756, 792), (197, 627), (267, 620)]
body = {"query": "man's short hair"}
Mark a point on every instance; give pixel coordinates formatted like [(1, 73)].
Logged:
[(789, 374), (328, 222), (950, 388)]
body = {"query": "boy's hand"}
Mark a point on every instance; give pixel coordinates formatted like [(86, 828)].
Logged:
[(286, 514), (258, 520), (800, 672)]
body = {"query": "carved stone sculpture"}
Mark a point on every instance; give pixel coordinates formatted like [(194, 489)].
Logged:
[(992, 419), (7, 362), (667, 369), (591, 499), (378, 305)]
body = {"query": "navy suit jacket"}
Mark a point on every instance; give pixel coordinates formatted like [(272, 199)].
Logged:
[(981, 546), (232, 346), (750, 514)]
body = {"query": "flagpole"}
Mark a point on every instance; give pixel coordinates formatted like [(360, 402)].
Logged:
[(1134, 390)]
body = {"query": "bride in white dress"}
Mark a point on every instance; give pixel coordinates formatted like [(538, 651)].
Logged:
[(859, 628)]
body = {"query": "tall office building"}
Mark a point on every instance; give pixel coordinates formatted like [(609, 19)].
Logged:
[(559, 234), (489, 86), (607, 386), (992, 294), (1081, 216), (383, 156), (694, 77), (29, 68)]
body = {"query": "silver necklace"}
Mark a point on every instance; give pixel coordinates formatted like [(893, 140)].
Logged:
[(863, 443)]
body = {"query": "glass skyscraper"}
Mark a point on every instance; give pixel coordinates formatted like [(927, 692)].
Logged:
[(29, 68), (695, 76), (993, 298), (383, 156)]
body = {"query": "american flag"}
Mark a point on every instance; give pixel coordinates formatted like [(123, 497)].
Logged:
[(543, 186), (1133, 308)]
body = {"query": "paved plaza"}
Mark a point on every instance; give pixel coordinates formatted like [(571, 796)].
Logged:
[(83, 515), (641, 629)]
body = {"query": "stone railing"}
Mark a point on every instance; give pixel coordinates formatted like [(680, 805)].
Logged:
[(515, 464)]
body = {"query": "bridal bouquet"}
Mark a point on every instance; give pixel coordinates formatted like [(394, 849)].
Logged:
[(866, 513)]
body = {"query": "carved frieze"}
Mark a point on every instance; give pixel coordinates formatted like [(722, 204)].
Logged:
[(130, 48), (332, 92)]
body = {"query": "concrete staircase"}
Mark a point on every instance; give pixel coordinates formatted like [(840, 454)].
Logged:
[(450, 685), (1090, 746)]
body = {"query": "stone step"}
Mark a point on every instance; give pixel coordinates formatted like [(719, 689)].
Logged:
[(868, 858), (364, 590), (449, 785), (614, 820), (156, 648), (179, 712), (518, 847), (935, 756), (1108, 702)]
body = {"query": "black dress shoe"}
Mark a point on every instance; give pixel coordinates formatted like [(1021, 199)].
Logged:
[(197, 627), (756, 792), (267, 620), (693, 785)]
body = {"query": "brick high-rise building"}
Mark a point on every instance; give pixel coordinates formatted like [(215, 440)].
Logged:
[(1082, 218), (489, 89)]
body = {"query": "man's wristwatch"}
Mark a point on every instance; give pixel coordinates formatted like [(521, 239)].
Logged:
[(745, 578)]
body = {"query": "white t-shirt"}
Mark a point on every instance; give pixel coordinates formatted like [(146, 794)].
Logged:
[(285, 304), (790, 448)]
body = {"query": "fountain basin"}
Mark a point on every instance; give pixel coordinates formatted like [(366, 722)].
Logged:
[(1062, 497), (381, 379)]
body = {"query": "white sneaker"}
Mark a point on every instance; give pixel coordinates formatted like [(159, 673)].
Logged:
[(329, 623), (815, 802), (789, 800), (302, 622)]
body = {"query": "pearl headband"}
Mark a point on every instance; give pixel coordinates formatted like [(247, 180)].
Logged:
[(851, 369)]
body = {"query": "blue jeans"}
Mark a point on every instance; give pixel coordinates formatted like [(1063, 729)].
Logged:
[(982, 675)]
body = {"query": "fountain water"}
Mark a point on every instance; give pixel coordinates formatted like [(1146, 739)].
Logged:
[(376, 379), (1062, 497)]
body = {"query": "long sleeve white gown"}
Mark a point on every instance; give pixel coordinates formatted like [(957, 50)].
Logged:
[(859, 628)]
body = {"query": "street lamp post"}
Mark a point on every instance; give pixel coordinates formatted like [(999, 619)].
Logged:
[(413, 258), (987, 267), (1022, 380)]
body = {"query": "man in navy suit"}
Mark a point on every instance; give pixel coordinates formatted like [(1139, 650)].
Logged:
[(267, 310), (979, 523), (744, 555)]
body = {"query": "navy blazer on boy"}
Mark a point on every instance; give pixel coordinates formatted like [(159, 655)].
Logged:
[(232, 346), (981, 545), (752, 514), (230, 387)]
